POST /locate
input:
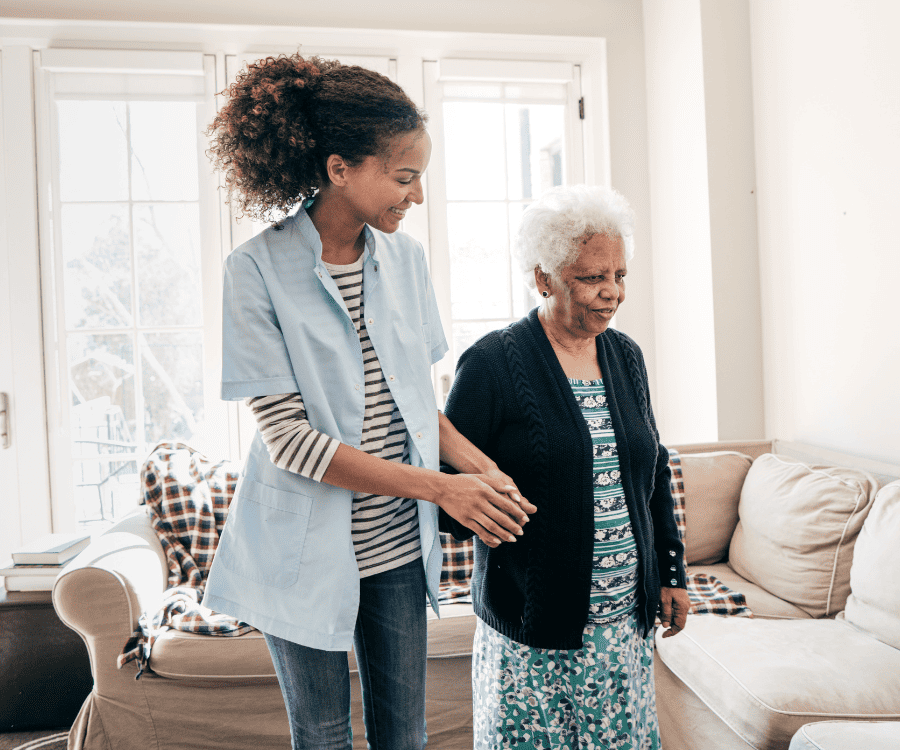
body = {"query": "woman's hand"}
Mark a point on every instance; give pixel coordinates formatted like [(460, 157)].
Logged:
[(673, 607), (489, 504)]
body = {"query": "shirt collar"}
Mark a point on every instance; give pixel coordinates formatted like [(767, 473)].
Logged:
[(310, 234)]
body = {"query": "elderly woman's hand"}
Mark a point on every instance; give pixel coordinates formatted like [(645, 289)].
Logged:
[(673, 608)]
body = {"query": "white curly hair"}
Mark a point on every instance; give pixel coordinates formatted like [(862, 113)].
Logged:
[(552, 227)]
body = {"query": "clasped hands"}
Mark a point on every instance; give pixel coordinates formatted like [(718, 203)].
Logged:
[(489, 504)]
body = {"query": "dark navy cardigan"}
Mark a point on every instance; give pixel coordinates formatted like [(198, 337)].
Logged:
[(512, 399)]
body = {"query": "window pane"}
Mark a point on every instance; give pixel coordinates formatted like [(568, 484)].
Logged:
[(479, 260), (164, 151), (172, 369), (93, 156), (101, 382), (167, 250), (105, 490), (474, 147), (523, 298), (534, 136), (97, 260)]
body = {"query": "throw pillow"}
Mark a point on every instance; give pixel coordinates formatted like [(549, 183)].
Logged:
[(712, 490), (796, 530), (874, 601)]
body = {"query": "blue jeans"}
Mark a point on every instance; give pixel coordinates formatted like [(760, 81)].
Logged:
[(390, 645)]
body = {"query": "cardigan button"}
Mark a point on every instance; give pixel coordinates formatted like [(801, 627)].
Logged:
[(671, 553), (673, 568), (674, 582)]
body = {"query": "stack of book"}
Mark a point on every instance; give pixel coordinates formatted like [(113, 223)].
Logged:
[(35, 566)]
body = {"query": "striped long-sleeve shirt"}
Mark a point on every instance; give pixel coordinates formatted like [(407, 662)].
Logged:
[(385, 529)]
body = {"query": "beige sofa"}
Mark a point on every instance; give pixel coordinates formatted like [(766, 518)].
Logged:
[(814, 548), (215, 692)]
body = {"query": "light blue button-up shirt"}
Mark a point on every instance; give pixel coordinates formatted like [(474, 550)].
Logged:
[(285, 561)]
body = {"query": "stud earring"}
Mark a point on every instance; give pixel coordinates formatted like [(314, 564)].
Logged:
[(545, 294)]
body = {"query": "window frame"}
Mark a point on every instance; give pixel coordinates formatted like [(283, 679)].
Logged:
[(474, 70), (58, 398)]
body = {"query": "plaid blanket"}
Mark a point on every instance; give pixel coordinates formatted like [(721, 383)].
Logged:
[(707, 593), (188, 497)]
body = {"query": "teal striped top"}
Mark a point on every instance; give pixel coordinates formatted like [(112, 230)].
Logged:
[(615, 573)]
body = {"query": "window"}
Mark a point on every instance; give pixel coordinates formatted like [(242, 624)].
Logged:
[(132, 253), (133, 228), (504, 132)]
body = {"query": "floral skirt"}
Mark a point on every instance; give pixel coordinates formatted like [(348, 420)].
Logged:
[(599, 697)]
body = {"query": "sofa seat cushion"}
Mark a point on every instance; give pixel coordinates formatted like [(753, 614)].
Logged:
[(767, 678), (760, 602), (179, 655), (797, 528), (848, 735)]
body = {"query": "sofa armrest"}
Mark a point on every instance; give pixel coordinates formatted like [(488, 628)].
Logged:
[(103, 591)]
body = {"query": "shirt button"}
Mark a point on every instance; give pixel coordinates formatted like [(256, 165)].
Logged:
[(370, 321), (356, 386), (391, 377), (418, 434), (673, 582), (376, 268)]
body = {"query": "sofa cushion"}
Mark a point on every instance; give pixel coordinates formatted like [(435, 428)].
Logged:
[(203, 658), (712, 490), (192, 656), (874, 601), (797, 525), (767, 678), (848, 735)]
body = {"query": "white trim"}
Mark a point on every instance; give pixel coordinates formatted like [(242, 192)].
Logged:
[(533, 71), (10, 529), (121, 61), (28, 417)]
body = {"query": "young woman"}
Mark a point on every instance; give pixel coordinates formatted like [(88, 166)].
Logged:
[(330, 329)]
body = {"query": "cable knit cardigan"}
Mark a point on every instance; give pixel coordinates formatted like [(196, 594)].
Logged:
[(512, 399)]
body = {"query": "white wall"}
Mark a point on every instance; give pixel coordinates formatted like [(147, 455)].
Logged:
[(734, 246), (685, 397), (826, 88), (702, 185)]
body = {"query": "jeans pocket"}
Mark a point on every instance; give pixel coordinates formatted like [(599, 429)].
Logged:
[(264, 537)]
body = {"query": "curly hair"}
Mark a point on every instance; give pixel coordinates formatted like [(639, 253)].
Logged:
[(551, 227), (286, 115)]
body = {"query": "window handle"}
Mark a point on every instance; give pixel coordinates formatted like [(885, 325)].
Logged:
[(4, 420)]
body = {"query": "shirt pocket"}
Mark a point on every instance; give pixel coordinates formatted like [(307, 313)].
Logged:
[(265, 534)]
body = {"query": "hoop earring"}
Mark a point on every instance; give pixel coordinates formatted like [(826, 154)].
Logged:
[(545, 294)]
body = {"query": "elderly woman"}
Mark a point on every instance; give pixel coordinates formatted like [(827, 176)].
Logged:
[(563, 653)]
